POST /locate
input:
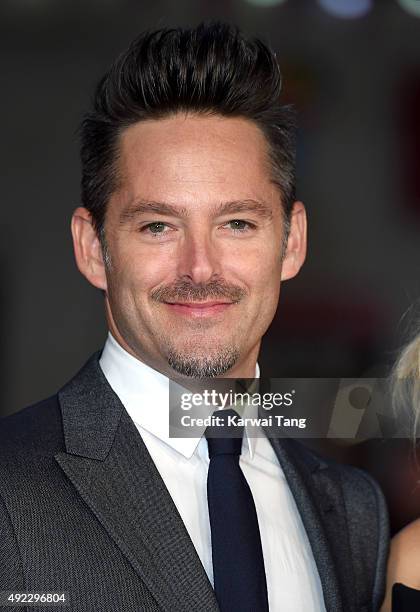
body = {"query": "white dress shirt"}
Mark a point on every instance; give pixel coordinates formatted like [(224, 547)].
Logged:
[(293, 581)]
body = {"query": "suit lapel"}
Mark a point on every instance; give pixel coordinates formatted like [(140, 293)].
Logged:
[(318, 496), (109, 465)]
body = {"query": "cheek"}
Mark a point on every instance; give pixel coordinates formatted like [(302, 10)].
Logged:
[(259, 268), (139, 270), (268, 290), (265, 288)]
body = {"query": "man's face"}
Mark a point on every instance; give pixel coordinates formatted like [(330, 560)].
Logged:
[(194, 241)]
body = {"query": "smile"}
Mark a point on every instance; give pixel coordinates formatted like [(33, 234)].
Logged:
[(198, 309)]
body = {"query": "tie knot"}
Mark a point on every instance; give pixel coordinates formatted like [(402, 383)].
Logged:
[(225, 437)]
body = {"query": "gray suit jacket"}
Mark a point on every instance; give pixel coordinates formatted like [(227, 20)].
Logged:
[(83, 509)]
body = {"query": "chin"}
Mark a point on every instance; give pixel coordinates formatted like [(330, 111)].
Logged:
[(202, 364)]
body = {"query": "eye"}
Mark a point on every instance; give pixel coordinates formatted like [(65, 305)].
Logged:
[(158, 230), (155, 228), (239, 225)]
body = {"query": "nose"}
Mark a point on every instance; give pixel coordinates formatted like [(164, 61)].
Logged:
[(198, 259)]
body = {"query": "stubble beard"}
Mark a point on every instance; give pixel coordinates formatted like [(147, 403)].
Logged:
[(200, 358), (202, 366)]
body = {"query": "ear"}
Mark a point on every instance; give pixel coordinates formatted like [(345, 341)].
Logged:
[(296, 243), (87, 248)]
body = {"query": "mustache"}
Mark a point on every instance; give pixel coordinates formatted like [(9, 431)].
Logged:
[(186, 291)]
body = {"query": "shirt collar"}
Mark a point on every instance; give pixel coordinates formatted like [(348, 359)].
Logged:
[(144, 392)]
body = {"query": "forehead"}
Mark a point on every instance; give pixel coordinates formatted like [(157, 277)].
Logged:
[(189, 157)]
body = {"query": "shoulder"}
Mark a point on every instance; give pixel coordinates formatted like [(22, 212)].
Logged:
[(35, 431), (404, 560), (359, 489), (361, 498), (366, 512), (356, 496), (29, 441)]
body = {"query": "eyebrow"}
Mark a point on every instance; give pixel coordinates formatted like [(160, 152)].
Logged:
[(224, 208), (256, 206)]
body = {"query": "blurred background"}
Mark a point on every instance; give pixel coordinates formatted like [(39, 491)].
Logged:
[(352, 69)]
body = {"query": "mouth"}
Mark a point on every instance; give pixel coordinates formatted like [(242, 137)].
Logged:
[(199, 309)]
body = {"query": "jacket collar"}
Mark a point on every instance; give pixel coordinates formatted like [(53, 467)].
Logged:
[(91, 412)]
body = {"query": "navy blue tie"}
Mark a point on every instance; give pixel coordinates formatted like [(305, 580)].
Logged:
[(238, 563)]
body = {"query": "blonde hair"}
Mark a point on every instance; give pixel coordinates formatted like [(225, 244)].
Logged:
[(405, 386)]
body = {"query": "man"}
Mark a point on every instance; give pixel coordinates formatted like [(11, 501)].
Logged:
[(189, 224)]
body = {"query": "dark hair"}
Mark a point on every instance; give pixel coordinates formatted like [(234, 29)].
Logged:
[(209, 69)]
